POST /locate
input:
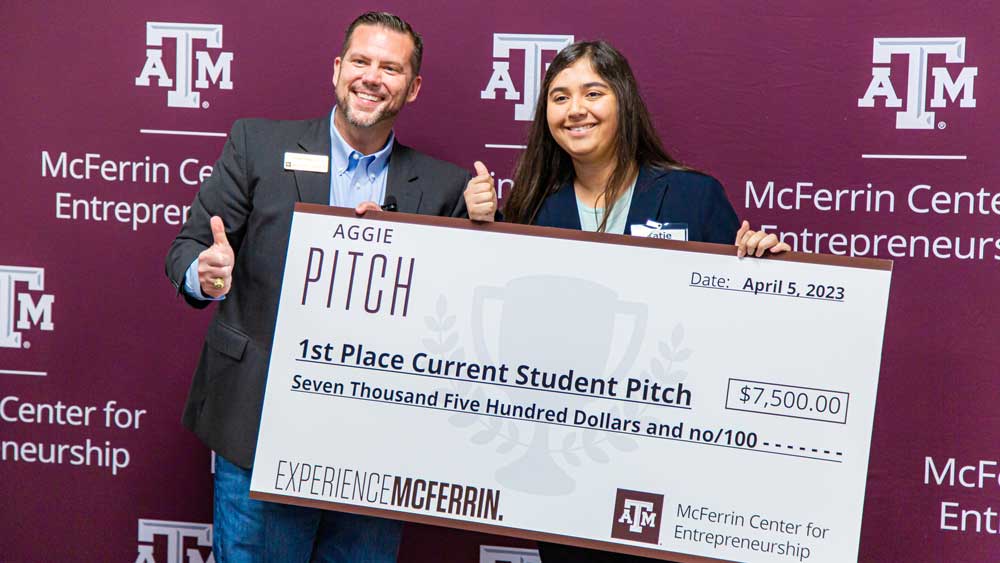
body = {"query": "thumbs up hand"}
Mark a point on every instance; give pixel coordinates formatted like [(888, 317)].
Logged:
[(215, 263), (480, 195)]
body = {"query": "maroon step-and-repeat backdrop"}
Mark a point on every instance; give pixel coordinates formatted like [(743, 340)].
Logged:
[(857, 128)]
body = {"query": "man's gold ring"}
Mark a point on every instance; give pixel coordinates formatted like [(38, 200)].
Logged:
[(217, 283)]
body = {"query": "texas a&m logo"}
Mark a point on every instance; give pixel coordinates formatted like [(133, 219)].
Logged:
[(637, 516), (217, 72), (176, 533), (533, 47), (21, 310), (957, 88)]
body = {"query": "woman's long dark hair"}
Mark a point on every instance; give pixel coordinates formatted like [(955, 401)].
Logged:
[(544, 166)]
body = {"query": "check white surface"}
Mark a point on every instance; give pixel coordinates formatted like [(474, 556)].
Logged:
[(748, 413)]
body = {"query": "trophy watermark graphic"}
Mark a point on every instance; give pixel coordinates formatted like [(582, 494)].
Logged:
[(573, 324)]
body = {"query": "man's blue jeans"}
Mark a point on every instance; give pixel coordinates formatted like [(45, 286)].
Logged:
[(248, 530)]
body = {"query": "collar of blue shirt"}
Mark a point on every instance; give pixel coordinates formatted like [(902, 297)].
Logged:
[(345, 159)]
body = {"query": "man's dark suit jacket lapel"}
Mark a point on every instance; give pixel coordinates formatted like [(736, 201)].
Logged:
[(314, 187), (647, 199), (401, 182)]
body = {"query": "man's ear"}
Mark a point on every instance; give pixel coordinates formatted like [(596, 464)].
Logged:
[(336, 71), (414, 89)]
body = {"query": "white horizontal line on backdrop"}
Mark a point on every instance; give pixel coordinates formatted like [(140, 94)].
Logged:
[(489, 146), (189, 133), (917, 156), (16, 372)]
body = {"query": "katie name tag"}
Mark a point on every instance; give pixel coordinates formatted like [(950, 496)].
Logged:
[(652, 229), (307, 162)]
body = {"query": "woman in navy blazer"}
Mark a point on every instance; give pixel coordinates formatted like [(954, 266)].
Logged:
[(675, 197), (594, 162), (593, 153)]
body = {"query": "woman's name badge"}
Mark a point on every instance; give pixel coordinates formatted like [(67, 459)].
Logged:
[(652, 229)]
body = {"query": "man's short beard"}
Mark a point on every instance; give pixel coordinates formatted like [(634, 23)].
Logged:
[(371, 120)]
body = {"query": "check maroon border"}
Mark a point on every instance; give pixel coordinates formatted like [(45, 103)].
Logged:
[(556, 233), (601, 238), (487, 528)]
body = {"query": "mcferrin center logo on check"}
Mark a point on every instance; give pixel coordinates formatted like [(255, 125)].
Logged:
[(637, 516)]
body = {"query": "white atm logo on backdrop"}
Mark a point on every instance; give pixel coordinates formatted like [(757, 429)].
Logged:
[(175, 533), (217, 72), (29, 311), (915, 115), (533, 46)]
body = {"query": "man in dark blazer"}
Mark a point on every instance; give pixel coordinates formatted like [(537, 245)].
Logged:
[(232, 250)]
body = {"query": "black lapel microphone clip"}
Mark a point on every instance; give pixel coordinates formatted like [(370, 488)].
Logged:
[(390, 203)]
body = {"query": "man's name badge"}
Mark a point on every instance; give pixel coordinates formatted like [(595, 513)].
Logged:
[(307, 162), (652, 229)]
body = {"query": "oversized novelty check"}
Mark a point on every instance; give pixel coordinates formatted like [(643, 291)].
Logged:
[(653, 397)]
